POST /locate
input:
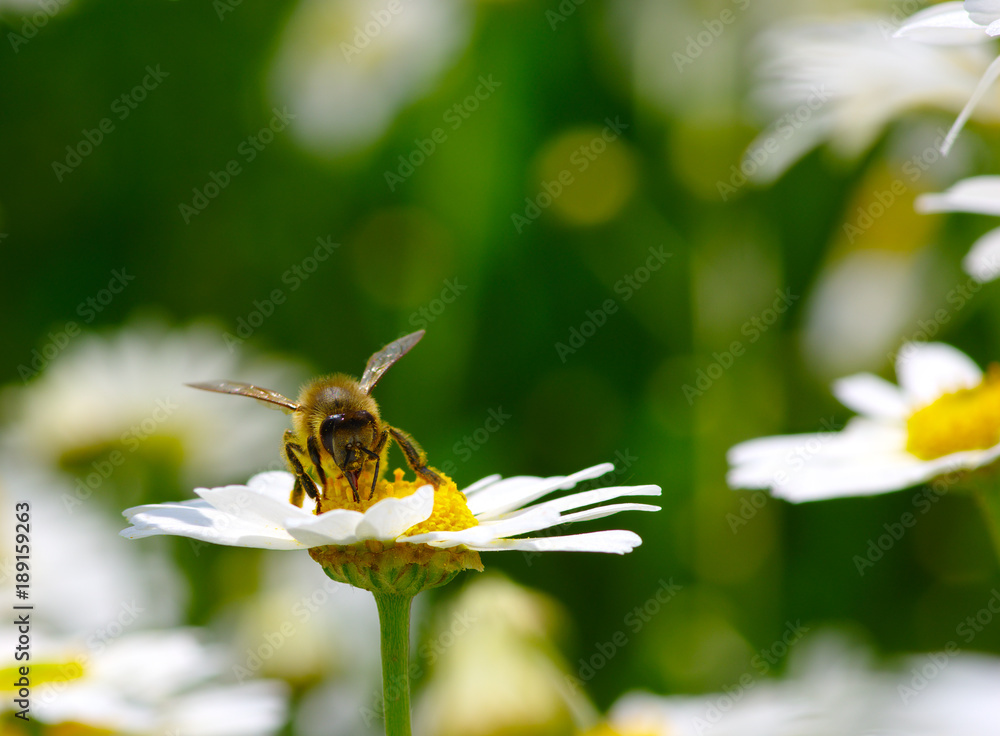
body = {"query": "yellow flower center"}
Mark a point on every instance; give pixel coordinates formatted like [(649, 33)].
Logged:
[(41, 674), (389, 567), (968, 419), (605, 729), (451, 511)]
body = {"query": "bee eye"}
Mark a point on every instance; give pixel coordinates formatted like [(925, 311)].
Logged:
[(327, 429)]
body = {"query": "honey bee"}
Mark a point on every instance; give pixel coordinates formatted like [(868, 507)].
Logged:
[(337, 418)]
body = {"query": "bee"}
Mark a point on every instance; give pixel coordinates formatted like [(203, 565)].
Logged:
[(337, 418)]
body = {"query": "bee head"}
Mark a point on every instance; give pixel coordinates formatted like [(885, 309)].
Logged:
[(348, 437)]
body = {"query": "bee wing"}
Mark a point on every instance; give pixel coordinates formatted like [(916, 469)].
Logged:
[(267, 396), (384, 358)]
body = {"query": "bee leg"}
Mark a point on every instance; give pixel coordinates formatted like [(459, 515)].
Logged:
[(316, 461), (416, 458), (376, 453), (303, 483)]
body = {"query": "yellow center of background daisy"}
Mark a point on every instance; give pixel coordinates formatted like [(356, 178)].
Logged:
[(604, 729), (451, 511), (964, 420)]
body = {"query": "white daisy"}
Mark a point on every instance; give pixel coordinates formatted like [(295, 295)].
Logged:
[(496, 512), (123, 393), (978, 195), (144, 684), (346, 68), (949, 693), (100, 590), (944, 416), (844, 80), (829, 689), (959, 24)]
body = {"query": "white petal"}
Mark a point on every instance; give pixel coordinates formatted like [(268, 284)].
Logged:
[(337, 526), (947, 23), (481, 484), (598, 495), (198, 521), (993, 29), (251, 505), (984, 85), (390, 517), (872, 396), (978, 194), (276, 484), (601, 511), (773, 462), (983, 12), (255, 708), (982, 262), (613, 541), (927, 371), (530, 521), (513, 493)]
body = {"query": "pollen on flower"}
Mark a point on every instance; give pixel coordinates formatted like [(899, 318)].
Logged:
[(451, 512), (964, 420)]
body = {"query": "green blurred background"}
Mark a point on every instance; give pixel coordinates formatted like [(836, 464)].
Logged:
[(517, 290)]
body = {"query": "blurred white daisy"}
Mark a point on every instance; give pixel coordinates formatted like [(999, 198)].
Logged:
[(959, 24), (142, 684), (494, 667), (844, 80), (978, 195), (830, 689), (123, 393), (101, 589), (944, 416), (489, 515), (861, 302), (949, 693), (346, 68), (317, 634)]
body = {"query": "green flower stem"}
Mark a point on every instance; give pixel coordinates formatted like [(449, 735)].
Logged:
[(394, 622)]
